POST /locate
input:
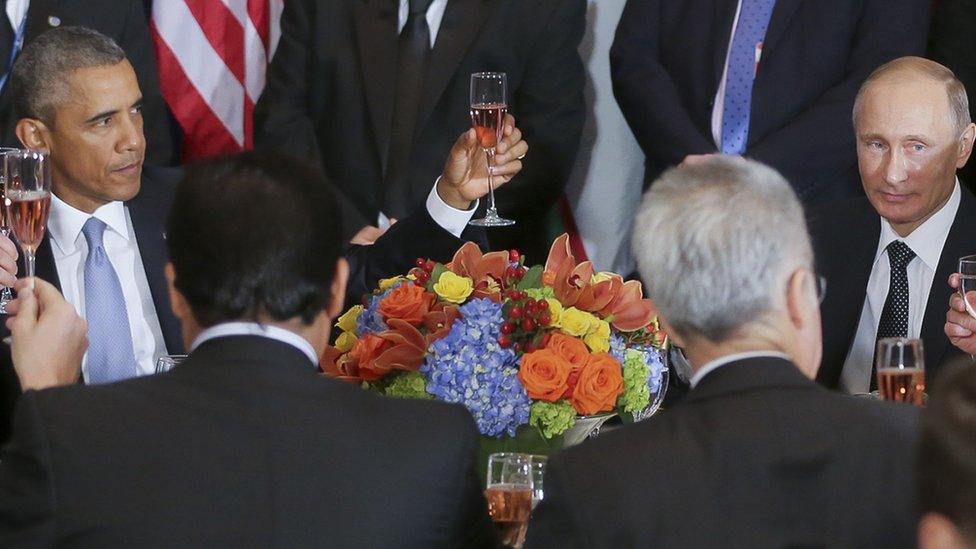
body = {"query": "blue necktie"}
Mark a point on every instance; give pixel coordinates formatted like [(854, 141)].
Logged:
[(110, 352), (749, 32)]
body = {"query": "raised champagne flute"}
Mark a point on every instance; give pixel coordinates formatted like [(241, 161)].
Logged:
[(967, 282), (27, 194), (509, 495), (900, 364), (5, 294), (488, 108)]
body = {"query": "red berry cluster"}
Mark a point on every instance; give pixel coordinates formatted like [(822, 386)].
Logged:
[(524, 317), (422, 272)]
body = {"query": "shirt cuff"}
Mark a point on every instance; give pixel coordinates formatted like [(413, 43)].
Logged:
[(446, 216)]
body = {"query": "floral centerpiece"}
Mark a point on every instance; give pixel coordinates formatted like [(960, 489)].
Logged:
[(529, 351)]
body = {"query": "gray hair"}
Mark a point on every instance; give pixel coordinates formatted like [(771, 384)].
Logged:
[(924, 68), (714, 242), (38, 80)]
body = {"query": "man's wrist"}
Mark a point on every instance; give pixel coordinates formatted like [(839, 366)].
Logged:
[(450, 196)]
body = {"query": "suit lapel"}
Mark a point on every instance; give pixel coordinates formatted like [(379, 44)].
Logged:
[(376, 36), (779, 22), (44, 266), (459, 28)]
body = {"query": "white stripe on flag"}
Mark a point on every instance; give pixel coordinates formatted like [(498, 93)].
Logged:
[(255, 61)]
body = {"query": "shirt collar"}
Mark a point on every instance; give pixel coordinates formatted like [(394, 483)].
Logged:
[(928, 238), (255, 329), (65, 222), (713, 365)]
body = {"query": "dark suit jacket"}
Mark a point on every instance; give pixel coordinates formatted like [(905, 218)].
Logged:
[(667, 61), (331, 85), (845, 238), (243, 445), (125, 22), (757, 455), (952, 43)]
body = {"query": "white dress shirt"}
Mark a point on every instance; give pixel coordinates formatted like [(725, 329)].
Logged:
[(713, 365), (16, 11), (70, 250), (718, 110), (435, 12), (927, 242), (256, 329)]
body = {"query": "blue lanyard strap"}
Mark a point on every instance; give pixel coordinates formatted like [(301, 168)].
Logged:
[(18, 45)]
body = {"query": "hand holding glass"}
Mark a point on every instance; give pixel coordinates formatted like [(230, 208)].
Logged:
[(27, 185), (488, 108)]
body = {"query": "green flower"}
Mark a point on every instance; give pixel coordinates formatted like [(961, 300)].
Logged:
[(636, 393), (552, 418), (408, 385), (540, 293)]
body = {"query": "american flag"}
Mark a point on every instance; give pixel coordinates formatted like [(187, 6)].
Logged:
[(213, 55)]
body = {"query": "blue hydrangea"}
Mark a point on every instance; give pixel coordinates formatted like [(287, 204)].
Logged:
[(371, 321), (618, 348), (654, 358), (469, 367)]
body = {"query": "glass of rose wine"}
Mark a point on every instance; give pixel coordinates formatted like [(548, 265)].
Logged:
[(900, 366), (509, 495), (967, 282), (5, 294), (27, 195), (488, 108)]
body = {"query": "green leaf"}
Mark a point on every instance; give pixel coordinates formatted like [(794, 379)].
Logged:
[(532, 279), (435, 275)]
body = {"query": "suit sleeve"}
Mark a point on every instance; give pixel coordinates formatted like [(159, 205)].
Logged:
[(395, 252), (550, 111), (553, 523), (648, 97), (27, 504), (821, 139), (137, 43)]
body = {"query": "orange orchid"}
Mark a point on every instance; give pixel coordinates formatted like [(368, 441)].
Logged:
[(484, 270)]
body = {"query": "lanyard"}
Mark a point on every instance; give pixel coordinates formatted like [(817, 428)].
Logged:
[(18, 45)]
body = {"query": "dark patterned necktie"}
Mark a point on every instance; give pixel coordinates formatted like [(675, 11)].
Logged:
[(413, 52), (894, 315)]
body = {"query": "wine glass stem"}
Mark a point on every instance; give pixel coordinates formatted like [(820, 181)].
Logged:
[(30, 257), (490, 156)]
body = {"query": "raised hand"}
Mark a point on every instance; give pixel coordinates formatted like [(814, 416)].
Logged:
[(465, 177)]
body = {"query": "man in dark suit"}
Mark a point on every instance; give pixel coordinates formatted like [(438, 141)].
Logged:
[(887, 256), (773, 80), (951, 43), (125, 22), (378, 107), (757, 455), (96, 149), (245, 444)]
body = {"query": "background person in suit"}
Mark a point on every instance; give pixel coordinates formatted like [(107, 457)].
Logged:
[(946, 474), (771, 79), (757, 455), (375, 91), (125, 22), (897, 246), (245, 443)]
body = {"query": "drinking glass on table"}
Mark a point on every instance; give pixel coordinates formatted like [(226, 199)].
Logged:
[(5, 294), (166, 363), (27, 196), (488, 108), (900, 367), (509, 495), (538, 465)]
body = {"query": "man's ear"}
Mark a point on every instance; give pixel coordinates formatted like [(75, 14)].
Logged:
[(966, 145), (338, 289), (176, 300), (798, 297), (33, 134)]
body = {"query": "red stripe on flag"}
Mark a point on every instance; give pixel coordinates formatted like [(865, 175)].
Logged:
[(223, 31), (260, 13), (569, 223), (203, 133)]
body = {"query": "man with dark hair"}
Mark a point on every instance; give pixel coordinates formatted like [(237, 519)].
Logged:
[(122, 20), (244, 444), (947, 463)]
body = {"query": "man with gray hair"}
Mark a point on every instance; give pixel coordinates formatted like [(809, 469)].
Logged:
[(757, 455), (887, 256)]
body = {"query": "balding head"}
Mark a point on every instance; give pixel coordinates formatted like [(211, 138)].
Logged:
[(912, 69)]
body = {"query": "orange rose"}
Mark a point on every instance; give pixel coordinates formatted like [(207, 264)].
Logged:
[(570, 349), (543, 374), (600, 383), (408, 302), (365, 351)]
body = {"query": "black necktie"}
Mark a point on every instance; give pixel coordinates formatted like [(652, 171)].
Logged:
[(7, 35), (413, 52), (894, 315)]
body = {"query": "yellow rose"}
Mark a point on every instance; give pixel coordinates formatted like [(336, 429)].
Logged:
[(346, 341), (555, 311), (347, 322), (576, 322), (386, 283), (598, 338), (600, 277), (453, 288)]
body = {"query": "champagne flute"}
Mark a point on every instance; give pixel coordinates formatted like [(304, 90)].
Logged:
[(5, 294), (488, 108), (967, 281), (27, 193), (900, 366), (509, 495)]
